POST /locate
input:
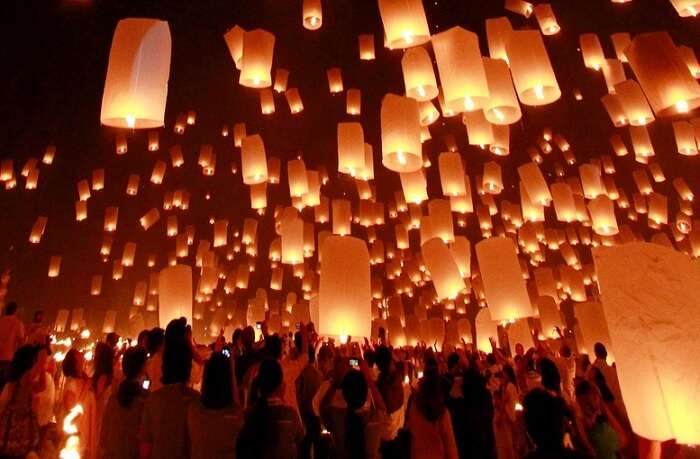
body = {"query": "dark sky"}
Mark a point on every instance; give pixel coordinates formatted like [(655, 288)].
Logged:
[(53, 60)]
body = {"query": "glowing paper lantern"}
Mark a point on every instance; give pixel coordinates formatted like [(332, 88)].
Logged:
[(519, 6), (641, 142), (404, 22), (54, 266), (451, 174), (136, 86), (685, 138), (546, 19), (462, 75), (443, 270), (662, 74), (534, 183), (149, 218), (351, 148), (414, 186), (418, 75), (502, 107), (256, 59), (342, 216), (497, 31), (366, 44), (253, 160), (504, 285), (532, 71), (267, 102), (492, 178), (175, 294), (292, 234), (234, 42), (486, 330), (592, 51), (401, 146), (344, 288), (353, 101), (312, 14), (294, 100)]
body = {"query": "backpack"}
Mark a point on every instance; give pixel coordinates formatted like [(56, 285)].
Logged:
[(19, 428)]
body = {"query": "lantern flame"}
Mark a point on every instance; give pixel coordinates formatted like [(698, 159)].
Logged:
[(539, 92), (682, 106), (130, 120)]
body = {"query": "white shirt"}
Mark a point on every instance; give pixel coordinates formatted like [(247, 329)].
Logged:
[(11, 333)]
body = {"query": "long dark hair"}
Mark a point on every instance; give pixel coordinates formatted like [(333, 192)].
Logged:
[(69, 366), (354, 389), (258, 430), (103, 363), (430, 399), (23, 361), (217, 383), (133, 361)]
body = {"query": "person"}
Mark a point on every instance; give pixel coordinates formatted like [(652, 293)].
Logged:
[(357, 429), (271, 429), (18, 420), (507, 399), (122, 414), (601, 435), (390, 386), (154, 346), (11, 337), (249, 357), (45, 398), (101, 384), (545, 424), (609, 375), (307, 386), (566, 363), (214, 421), (76, 391), (478, 415), (37, 332), (429, 420), (163, 432)]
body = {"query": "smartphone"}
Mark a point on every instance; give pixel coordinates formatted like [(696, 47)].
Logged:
[(354, 362), (258, 325), (298, 325), (226, 352), (146, 384)]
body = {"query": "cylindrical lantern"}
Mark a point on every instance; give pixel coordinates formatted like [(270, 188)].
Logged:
[(685, 138), (234, 42), (602, 212), (400, 122), (591, 50), (418, 75), (342, 216), (335, 80), (546, 19), (633, 102), (497, 31), (175, 294), (136, 86), (353, 101), (253, 160), (534, 183), (414, 186), (443, 270), (404, 22), (256, 59), (294, 100), (451, 174), (267, 102), (351, 148), (503, 106), (366, 45), (312, 15), (532, 71)]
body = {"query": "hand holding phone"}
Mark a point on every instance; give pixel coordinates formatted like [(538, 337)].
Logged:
[(146, 384)]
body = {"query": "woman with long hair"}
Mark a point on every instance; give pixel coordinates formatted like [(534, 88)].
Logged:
[(213, 422), (101, 384), (271, 428), (77, 391)]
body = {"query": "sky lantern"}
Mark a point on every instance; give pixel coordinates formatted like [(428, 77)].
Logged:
[(461, 254), (175, 294), (501, 140), (621, 41), (253, 160), (451, 174), (256, 60), (294, 100), (486, 330), (519, 6), (415, 186), (546, 19), (504, 285), (418, 75), (353, 101), (686, 8), (128, 254), (136, 86), (564, 204), (351, 148), (633, 102), (534, 183), (503, 106), (345, 288), (532, 71), (366, 46), (492, 178), (641, 142), (400, 122), (479, 130), (54, 266), (462, 75), (550, 317), (292, 234), (80, 210), (613, 72), (592, 51), (443, 270), (335, 80), (497, 31), (342, 216), (602, 212), (296, 176), (234, 41), (267, 102), (441, 219), (662, 74), (685, 138), (404, 22), (312, 14), (149, 218), (691, 60), (613, 106)]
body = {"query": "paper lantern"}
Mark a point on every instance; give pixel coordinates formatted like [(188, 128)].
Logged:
[(400, 122), (451, 174), (294, 100), (519, 6), (534, 183), (281, 79), (441, 219), (296, 176), (366, 44), (662, 74), (592, 51), (111, 218), (532, 71), (658, 208), (633, 103), (641, 142), (621, 41), (546, 19), (54, 266), (175, 294), (96, 285), (128, 254), (158, 172), (351, 148), (479, 130), (602, 213), (461, 254), (418, 75), (443, 270), (564, 204), (342, 216), (312, 14), (614, 73), (497, 31), (256, 58), (492, 178), (136, 85), (502, 107), (149, 218), (414, 186), (615, 110), (690, 59), (486, 330), (234, 42), (353, 101), (681, 186), (253, 160), (504, 285), (462, 75), (344, 288), (685, 138), (335, 80), (404, 23), (267, 102), (292, 235)]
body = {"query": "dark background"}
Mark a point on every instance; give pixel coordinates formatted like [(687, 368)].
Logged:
[(53, 58)]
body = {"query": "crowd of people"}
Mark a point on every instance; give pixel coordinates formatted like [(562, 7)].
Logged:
[(299, 395)]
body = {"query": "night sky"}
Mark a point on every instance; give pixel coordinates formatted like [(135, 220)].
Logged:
[(53, 61)]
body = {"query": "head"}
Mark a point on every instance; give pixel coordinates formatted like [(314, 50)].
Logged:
[(248, 338), (544, 419), (430, 399), (588, 399), (217, 383), (236, 337), (154, 341), (270, 379), (38, 317), (22, 364), (73, 365), (519, 349), (551, 380), (176, 331), (103, 363), (383, 359), (273, 346), (453, 365), (142, 339), (11, 309), (600, 351), (354, 389), (565, 351), (133, 363), (177, 363), (112, 339)]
